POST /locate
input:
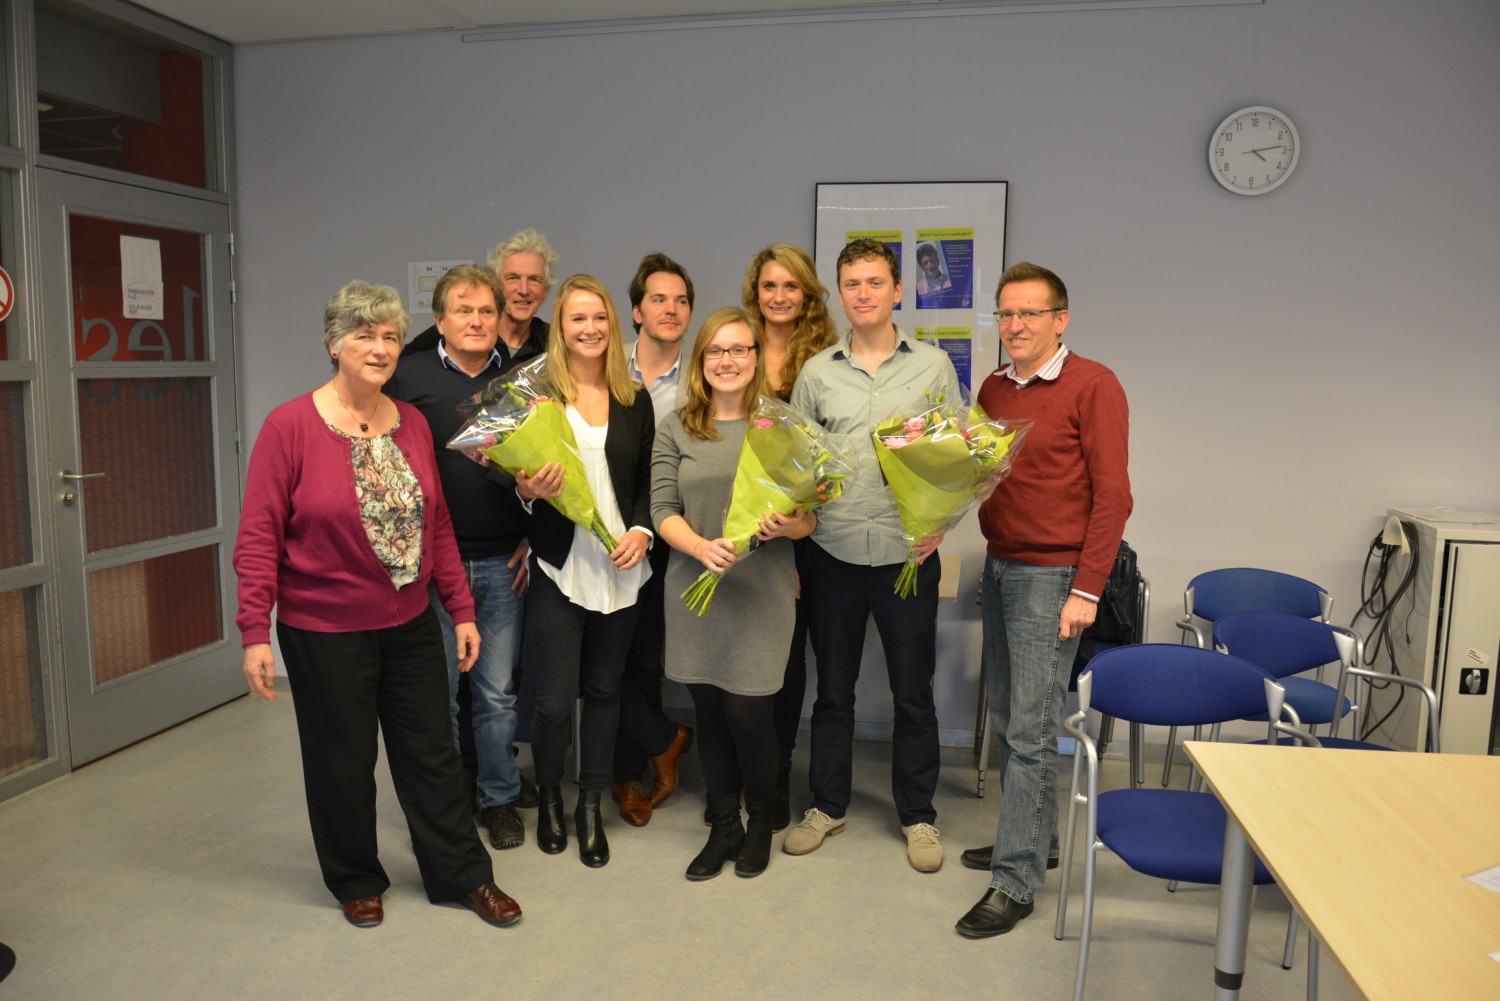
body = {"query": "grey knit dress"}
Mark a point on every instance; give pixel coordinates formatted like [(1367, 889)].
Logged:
[(741, 644)]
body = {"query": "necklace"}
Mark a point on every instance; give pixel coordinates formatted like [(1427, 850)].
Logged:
[(364, 426)]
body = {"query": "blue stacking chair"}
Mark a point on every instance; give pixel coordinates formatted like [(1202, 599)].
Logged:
[(1212, 595), (1286, 646), (1282, 645), (1172, 834)]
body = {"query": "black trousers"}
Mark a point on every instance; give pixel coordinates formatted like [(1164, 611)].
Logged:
[(577, 654), (788, 710), (345, 688), (645, 729), (841, 597)]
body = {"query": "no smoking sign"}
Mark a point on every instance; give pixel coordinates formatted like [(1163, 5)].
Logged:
[(7, 294)]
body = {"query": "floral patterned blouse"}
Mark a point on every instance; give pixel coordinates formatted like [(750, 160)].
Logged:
[(390, 503)]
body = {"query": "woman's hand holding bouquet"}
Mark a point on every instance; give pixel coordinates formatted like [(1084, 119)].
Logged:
[(786, 469), (518, 425)]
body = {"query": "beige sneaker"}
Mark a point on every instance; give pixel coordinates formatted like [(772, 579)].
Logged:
[(808, 835), (923, 849)]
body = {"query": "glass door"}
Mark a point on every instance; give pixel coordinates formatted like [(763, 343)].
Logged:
[(141, 454)]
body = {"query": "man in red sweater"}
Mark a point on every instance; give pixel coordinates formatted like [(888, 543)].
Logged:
[(1052, 530)]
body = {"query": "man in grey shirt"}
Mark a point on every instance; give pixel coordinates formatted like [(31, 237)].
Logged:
[(858, 551)]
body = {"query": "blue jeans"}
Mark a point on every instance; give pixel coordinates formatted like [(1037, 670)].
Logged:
[(1026, 669), (498, 615)]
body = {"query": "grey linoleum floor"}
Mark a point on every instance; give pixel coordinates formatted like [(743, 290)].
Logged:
[(182, 868)]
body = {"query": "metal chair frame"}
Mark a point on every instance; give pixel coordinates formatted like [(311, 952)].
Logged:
[(1085, 788)]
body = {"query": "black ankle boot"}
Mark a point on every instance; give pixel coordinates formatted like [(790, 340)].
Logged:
[(593, 846), (551, 835), (755, 852), (724, 839), (781, 803)]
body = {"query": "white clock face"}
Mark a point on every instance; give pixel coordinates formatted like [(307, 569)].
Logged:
[(1253, 151)]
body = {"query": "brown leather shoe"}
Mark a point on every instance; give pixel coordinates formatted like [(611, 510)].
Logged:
[(366, 912), (491, 903), (665, 766), (635, 808)]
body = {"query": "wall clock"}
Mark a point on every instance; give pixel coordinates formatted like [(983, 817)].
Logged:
[(1253, 150)]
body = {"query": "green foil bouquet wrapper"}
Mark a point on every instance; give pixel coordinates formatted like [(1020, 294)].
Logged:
[(519, 423), (786, 463), (940, 463)]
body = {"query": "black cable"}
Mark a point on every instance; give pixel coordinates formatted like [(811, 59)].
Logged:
[(1378, 606)]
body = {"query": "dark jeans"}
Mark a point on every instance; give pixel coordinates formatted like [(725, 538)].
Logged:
[(345, 688), (577, 654), (841, 597), (645, 729)]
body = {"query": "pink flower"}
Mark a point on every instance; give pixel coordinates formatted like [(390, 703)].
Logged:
[(896, 442), (914, 426), (763, 422)]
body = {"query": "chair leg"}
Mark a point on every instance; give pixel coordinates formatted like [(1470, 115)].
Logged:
[(1289, 951), (1312, 967), (1137, 755), (987, 736), (981, 715), (1166, 765), (1088, 923)]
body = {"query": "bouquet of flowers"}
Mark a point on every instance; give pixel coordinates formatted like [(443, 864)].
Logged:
[(519, 423), (940, 462), (786, 463)]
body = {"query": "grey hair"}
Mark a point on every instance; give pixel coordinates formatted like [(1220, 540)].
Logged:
[(359, 304), (527, 241)]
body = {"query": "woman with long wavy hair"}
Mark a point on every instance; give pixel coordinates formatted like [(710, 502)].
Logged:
[(782, 289)]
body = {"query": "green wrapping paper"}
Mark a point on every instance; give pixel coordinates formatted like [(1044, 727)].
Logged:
[(786, 463), (940, 464), (517, 423)]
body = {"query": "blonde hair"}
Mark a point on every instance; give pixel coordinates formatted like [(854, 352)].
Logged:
[(559, 365), (698, 410), (814, 330)]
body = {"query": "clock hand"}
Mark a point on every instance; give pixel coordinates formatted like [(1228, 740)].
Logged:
[(1257, 153)]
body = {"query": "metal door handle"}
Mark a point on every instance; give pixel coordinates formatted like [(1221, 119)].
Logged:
[(68, 475)]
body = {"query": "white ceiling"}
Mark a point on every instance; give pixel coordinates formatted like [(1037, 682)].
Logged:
[(243, 22)]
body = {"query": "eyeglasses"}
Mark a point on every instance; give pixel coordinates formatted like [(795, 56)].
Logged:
[(738, 352), (1027, 316)]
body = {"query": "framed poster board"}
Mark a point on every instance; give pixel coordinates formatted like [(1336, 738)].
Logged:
[(949, 237)]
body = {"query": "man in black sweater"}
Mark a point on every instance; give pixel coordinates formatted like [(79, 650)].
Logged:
[(490, 526)]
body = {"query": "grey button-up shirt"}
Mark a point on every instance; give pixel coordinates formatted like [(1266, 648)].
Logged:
[(836, 389)]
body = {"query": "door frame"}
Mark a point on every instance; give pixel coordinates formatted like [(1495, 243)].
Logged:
[(104, 717)]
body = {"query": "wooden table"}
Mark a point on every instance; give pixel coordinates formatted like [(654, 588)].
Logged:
[(1372, 849)]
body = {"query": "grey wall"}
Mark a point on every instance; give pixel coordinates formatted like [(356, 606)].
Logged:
[(1296, 362)]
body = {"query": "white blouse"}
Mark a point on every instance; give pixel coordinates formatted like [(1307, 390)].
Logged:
[(587, 577)]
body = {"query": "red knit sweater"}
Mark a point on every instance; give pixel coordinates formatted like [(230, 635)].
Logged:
[(1067, 497), (302, 545)]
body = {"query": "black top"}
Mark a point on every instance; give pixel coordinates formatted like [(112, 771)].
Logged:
[(488, 519)]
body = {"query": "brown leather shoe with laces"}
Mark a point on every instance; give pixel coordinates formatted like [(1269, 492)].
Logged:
[(635, 808), (366, 912), (491, 903), (665, 766)]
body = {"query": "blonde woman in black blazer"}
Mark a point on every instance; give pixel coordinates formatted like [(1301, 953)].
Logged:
[(580, 605)]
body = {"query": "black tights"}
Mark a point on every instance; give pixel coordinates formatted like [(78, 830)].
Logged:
[(736, 742)]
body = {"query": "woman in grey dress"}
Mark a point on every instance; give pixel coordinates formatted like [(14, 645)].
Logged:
[(733, 658)]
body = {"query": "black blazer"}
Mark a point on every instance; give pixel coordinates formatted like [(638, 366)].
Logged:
[(627, 451)]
